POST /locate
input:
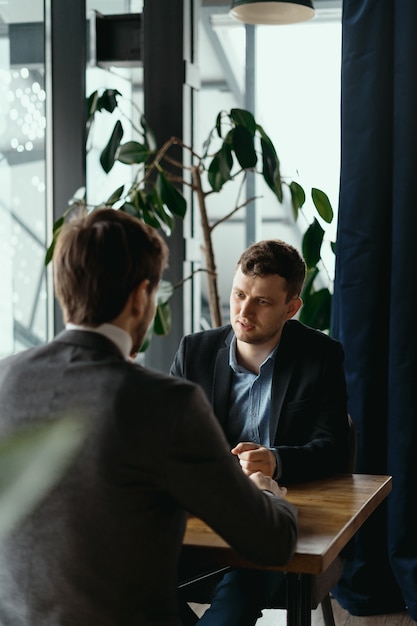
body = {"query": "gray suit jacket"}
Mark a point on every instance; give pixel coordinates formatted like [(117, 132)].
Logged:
[(308, 395), (102, 548)]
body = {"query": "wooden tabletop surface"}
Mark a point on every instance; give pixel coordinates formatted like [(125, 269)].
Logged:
[(330, 511)]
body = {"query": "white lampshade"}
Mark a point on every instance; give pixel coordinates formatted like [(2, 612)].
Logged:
[(272, 12)]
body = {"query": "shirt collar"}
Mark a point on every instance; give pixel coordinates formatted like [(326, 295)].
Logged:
[(232, 355), (117, 335)]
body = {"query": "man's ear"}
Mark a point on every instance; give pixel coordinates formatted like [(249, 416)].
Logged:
[(294, 306)]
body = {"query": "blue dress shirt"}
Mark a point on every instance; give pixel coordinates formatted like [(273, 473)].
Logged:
[(250, 402)]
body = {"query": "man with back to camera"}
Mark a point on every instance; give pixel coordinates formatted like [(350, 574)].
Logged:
[(278, 390), (102, 547)]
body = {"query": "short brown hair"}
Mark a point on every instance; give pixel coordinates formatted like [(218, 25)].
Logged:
[(274, 256), (99, 259)]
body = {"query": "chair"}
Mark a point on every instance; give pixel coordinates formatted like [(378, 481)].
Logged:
[(322, 584)]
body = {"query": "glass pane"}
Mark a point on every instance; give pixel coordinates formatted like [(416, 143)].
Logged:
[(126, 78), (297, 101), (222, 44), (23, 294)]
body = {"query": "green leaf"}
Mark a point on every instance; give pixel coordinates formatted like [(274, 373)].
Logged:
[(163, 319), (298, 197), (165, 291), (145, 207), (311, 245), (243, 145), (214, 175), (308, 286), (130, 208), (322, 204), (56, 228), (158, 207), (149, 216), (107, 157), (218, 124), (174, 200), (115, 196), (270, 166), (244, 118), (92, 104), (316, 310), (137, 197), (31, 463), (58, 224), (108, 100), (220, 166), (50, 251), (78, 199), (132, 152), (153, 199), (151, 204)]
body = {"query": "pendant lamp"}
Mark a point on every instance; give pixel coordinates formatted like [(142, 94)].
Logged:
[(272, 12)]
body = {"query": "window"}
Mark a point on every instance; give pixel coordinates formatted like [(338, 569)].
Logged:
[(23, 295), (296, 82)]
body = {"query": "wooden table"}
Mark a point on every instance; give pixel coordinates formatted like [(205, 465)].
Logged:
[(330, 512)]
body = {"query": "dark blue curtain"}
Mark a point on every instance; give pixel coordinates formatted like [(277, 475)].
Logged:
[(375, 299)]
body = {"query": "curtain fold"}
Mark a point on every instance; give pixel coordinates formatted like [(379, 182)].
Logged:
[(375, 300)]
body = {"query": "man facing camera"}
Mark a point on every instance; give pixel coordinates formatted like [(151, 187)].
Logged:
[(278, 390), (102, 547)]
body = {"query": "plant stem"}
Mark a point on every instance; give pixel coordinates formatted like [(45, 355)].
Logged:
[(213, 293)]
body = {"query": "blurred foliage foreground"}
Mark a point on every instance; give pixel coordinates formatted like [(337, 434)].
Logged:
[(32, 461)]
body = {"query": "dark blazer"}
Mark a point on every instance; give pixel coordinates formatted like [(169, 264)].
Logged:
[(102, 548), (308, 394)]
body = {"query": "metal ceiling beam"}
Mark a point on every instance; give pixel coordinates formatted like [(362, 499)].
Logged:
[(228, 71)]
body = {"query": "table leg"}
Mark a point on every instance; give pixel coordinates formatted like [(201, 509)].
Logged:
[(298, 599)]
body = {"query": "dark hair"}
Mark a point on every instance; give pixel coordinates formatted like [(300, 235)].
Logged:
[(99, 259), (274, 256)]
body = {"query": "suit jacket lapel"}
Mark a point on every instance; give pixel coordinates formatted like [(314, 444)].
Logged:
[(283, 369), (221, 382)]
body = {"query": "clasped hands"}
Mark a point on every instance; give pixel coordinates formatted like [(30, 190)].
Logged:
[(259, 463)]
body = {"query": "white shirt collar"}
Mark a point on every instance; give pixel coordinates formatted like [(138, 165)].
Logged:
[(117, 335)]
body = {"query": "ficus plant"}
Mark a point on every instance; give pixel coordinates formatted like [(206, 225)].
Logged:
[(236, 146)]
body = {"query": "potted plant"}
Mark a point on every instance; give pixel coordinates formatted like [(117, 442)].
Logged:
[(155, 194)]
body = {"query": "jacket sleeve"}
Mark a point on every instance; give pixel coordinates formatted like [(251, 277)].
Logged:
[(177, 367), (207, 480)]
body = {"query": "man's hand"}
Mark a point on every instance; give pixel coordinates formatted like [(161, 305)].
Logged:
[(255, 458), (265, 482)]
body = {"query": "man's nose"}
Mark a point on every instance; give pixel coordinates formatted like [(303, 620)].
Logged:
[(246, 307)]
